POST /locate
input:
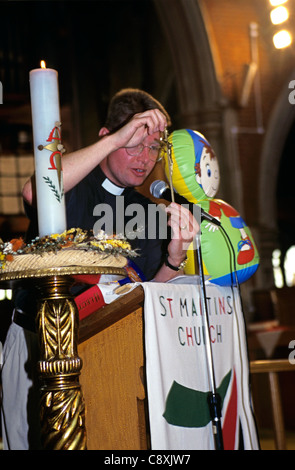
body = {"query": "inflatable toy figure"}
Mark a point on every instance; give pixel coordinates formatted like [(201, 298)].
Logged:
[(228, 249)]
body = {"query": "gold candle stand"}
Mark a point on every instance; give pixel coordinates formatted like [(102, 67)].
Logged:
[(62, 408)]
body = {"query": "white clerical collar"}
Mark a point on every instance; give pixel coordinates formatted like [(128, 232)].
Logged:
[(112, 188)]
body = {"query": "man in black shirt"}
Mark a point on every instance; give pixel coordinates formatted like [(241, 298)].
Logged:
[(124, 156), (97, 177), (113, 211)]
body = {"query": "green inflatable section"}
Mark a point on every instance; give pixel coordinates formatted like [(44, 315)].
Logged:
[(229, 252)]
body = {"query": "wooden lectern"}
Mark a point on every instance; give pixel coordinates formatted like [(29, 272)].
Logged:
[(111, 346)]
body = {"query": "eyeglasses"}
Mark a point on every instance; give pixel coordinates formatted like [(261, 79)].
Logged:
[(154, 151)]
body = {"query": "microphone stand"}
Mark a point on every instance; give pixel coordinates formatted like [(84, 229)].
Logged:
[(214, 400)]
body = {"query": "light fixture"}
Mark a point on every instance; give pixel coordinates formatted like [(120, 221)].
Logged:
[(279, 15), (282, 39), (275, 3)]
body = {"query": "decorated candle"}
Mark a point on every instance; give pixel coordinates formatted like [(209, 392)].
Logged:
[(47, 150)]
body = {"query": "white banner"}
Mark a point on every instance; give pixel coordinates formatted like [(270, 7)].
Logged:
[(177, 367)]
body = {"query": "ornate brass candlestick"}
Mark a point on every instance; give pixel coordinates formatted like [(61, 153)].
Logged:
[(62, 408)]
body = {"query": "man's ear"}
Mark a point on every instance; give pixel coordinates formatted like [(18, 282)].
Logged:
[(103, 131)]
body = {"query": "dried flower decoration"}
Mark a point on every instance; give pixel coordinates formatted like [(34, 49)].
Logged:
[(9, 249), (74, 238)]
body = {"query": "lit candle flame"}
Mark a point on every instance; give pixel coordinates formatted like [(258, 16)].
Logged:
[(43, 64)]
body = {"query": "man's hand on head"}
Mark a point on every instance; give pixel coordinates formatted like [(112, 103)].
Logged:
[(139, 127)]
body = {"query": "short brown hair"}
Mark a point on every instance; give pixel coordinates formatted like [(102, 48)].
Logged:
[(128, 102)]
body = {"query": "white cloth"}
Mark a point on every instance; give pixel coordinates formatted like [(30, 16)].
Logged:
[(112, 291), (177, 367), (20, 396)]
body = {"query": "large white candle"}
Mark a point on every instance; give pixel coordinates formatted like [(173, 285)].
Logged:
[(47, 151)]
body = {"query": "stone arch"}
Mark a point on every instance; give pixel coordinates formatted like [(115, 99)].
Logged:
[(194, 69), (201, 103), (281, 120)]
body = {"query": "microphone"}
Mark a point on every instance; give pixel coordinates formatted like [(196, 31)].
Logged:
[(160, 190)]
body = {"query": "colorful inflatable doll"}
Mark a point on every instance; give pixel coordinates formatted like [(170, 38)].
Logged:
[(195, 176)]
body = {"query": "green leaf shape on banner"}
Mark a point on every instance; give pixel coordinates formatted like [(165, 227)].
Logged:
[(189, 408)]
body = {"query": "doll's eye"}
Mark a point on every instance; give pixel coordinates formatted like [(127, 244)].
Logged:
[(208, 170)]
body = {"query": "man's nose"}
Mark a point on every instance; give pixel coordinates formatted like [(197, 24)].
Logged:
[(144, 155)]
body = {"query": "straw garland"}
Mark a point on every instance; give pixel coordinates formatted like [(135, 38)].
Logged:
[(74, 247)]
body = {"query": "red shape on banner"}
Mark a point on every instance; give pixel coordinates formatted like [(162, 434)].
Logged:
[(230, 420)]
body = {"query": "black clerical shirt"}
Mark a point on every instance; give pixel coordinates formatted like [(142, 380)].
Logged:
[(84, 204)]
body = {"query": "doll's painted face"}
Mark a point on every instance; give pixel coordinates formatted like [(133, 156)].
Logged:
[(207, 171)]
